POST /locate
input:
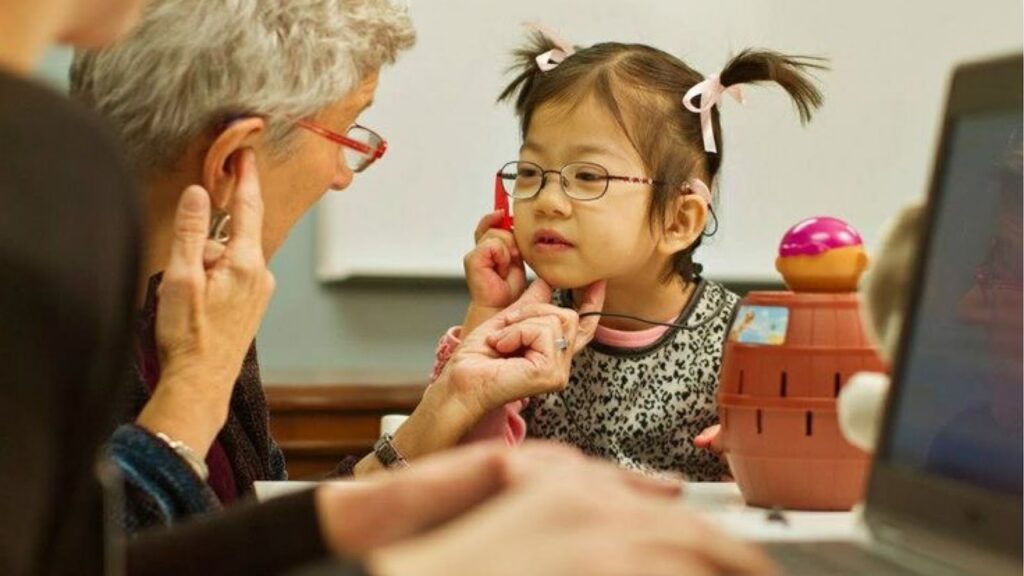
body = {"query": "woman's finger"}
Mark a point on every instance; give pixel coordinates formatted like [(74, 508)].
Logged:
[(724, 553), (213, 251), (568, 320), (184, 277), (537, 334), (537, 293), (523, 335), (247, 208), (593, 301), (537, 310), (191, 225), (663, 486)]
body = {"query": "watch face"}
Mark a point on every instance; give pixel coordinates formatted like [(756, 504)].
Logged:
[(387, 454)]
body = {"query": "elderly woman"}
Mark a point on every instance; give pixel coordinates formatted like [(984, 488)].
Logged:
[(188, 94)]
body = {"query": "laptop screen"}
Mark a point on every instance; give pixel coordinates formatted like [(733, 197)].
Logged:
[(959, 409)]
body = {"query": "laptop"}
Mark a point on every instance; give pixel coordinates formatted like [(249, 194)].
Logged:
[(944, 496)]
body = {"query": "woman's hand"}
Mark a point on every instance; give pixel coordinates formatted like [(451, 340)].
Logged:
[(516, 354), (495, 273), (548, 514), (211, 301), (356, 517), (523, 351)]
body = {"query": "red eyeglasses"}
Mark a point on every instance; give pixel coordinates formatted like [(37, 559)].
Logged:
[(360, 146)]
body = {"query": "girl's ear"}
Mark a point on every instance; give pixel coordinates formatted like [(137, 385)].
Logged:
[(685, 219)]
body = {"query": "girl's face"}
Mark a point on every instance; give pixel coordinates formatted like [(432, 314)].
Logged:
[(572, 243)]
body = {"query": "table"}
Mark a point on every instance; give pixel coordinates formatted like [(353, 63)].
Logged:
[(722, 504)]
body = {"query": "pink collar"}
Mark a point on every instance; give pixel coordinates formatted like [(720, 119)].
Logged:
[(630, 338)]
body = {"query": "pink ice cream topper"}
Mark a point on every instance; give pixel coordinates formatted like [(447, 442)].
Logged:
[(818, 235)]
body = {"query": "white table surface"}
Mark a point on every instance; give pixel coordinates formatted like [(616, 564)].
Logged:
[(723, 504)]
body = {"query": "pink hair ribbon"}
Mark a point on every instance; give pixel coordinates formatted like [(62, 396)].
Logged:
[(552, 58), (710, 92)]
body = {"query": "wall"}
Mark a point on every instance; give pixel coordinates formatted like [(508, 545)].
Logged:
[(314, 325)]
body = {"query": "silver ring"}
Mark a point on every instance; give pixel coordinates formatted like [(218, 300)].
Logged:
[(561, 343)]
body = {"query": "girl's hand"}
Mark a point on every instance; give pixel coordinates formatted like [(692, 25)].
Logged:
[(711, 439), (211, 301), (494, 270)]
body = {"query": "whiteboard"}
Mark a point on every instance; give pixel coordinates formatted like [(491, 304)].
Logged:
[(866, 153)]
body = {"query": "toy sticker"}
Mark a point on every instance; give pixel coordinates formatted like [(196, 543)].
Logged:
[(760, 325)]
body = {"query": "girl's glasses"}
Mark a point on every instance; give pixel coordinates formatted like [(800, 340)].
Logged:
[(360, 146), (583, 181)]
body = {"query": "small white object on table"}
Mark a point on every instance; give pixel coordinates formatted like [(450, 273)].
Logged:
[(265, 489)]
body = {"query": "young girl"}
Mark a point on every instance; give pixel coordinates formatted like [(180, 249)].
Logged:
[(621, 146)]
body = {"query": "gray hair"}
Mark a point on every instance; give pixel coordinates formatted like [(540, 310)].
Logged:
[(194, 64)]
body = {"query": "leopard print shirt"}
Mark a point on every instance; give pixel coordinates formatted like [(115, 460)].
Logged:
[(642, 407)]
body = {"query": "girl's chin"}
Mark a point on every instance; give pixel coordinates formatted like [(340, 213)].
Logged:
[(565, 279)]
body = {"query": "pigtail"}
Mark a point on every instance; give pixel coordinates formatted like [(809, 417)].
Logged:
[(792, 73), (524, 65)]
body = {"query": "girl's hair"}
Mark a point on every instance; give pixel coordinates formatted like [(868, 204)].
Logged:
[(643, 88)]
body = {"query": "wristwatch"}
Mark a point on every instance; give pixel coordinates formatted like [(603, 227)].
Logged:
[(185, 452), (388, 454)]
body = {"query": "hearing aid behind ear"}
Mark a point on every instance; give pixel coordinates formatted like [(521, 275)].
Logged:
[(220, 220), (220, 227)]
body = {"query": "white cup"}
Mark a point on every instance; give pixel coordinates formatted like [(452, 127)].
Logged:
[(389, 423)]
